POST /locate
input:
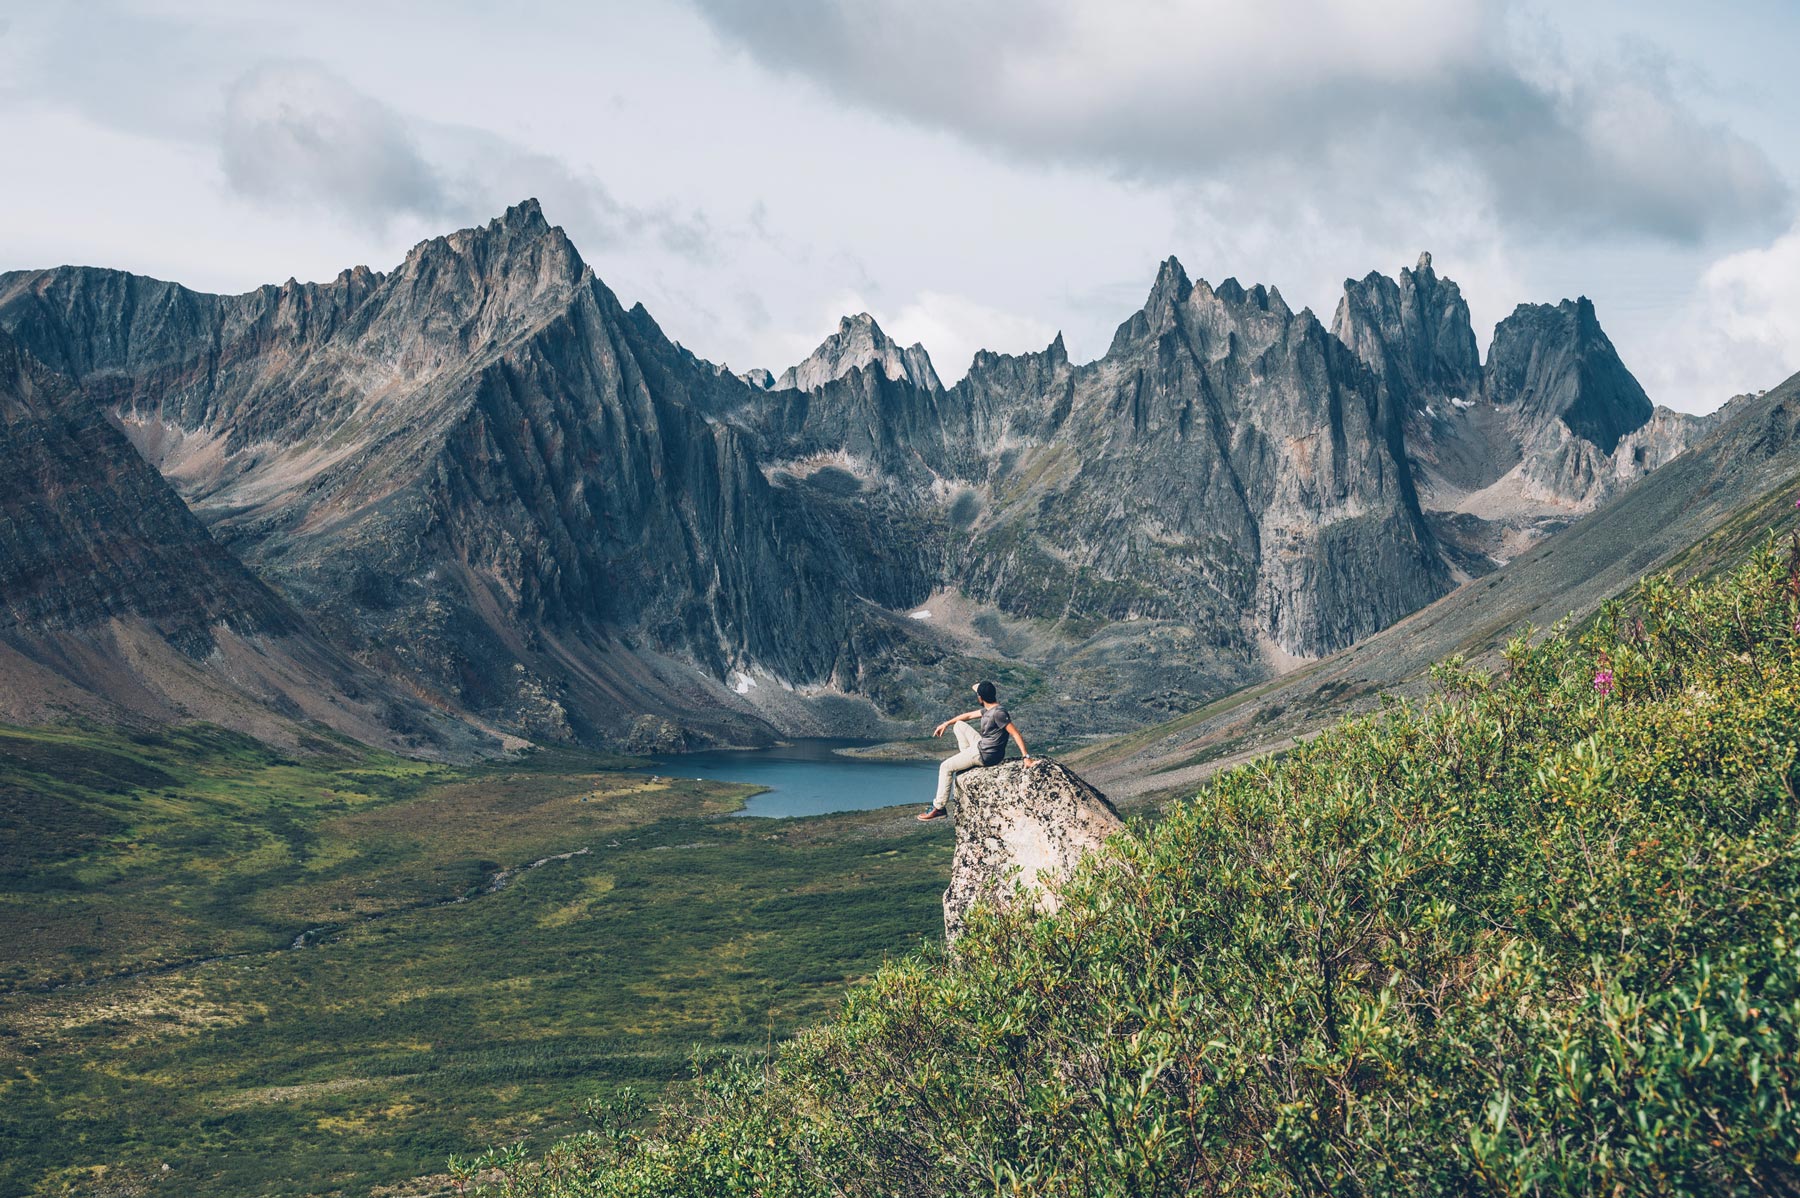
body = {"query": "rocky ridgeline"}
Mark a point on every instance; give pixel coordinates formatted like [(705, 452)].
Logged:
[(505, 493), (1021, 826), (1507, 453), (858, 344)]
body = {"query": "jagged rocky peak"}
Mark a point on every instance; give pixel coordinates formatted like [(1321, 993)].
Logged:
[(1175, 301), (1414, 332), (758, 377), (523, 221), (1556, 363), (516, 257), (859, 343), (1054, 355), (1171, 289)]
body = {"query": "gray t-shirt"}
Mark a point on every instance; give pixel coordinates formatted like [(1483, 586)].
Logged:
[(993, 735)]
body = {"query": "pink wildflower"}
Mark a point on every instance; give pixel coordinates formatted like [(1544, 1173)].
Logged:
[(1603, 681)]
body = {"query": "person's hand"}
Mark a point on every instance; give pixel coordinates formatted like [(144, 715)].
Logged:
[(939, 730), (1029, 762)]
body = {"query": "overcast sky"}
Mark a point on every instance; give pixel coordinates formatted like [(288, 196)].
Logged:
[(976, 175)]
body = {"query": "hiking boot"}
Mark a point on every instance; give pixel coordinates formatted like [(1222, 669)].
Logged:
[(932, 813)]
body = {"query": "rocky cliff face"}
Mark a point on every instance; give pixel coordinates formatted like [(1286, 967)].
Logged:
[(1506, 454), (859, 344), (491, 483), (116, 603), (1414, 333), (1555, 364), (1228, 464), (1021, 826), (478, 471)]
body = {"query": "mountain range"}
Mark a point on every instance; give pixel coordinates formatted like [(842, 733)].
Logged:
[(1702, 512), (476, 500)]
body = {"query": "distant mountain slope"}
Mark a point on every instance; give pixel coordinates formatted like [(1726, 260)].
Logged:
[(479, 472), (1507, 453), (486, 480), (1702, 510), (116, 603), (859, 343)]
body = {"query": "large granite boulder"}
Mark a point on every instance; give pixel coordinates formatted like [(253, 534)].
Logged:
[(1021, 824)]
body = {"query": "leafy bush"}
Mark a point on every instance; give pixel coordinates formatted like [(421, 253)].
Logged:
[(1539, 935)]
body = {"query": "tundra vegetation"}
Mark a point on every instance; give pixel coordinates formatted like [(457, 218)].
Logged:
[(319, 970), (1539, 934)]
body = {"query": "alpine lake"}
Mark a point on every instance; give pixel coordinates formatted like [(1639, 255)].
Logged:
[(809, 777)]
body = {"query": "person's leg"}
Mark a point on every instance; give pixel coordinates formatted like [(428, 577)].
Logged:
[(967, 757)]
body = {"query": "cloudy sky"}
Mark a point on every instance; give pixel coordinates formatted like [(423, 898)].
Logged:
[(975, 174)]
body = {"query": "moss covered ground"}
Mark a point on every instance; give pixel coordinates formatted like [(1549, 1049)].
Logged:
[(1538, 934), (295, 973)]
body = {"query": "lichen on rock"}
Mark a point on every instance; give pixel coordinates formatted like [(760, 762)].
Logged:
[(1019, 824)]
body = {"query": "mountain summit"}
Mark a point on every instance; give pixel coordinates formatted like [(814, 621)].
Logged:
[(859, 344), (1507, 453), (1413, 332), (1556, 363)]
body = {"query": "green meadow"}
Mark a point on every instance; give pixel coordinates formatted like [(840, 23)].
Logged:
[(230, 970)]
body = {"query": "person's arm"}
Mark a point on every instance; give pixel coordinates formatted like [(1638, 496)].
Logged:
[(1023, 751), (955, 719)]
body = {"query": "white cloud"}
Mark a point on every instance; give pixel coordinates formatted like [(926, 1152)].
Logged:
[(1741, 332), (295, 133), (1759, 296), (1198, 90), (953, 327)]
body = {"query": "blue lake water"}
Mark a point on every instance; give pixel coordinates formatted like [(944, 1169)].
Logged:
[(808, 778)]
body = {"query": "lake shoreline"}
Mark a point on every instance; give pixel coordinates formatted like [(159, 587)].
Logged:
[(800, 778)]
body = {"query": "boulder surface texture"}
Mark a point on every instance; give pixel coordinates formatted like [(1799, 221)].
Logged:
[(1019, 824)]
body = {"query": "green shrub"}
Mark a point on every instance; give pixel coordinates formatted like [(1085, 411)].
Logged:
[(1539, 935)]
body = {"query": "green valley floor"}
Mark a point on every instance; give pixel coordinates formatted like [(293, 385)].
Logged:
[(227, 970)]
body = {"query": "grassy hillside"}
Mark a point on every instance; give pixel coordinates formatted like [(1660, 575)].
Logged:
[(322, 972), (1537, 935)]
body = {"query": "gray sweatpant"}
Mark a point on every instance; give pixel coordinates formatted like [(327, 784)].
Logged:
[(967, 756)]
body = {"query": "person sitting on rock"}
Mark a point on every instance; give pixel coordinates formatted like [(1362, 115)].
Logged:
[(988, 747)]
